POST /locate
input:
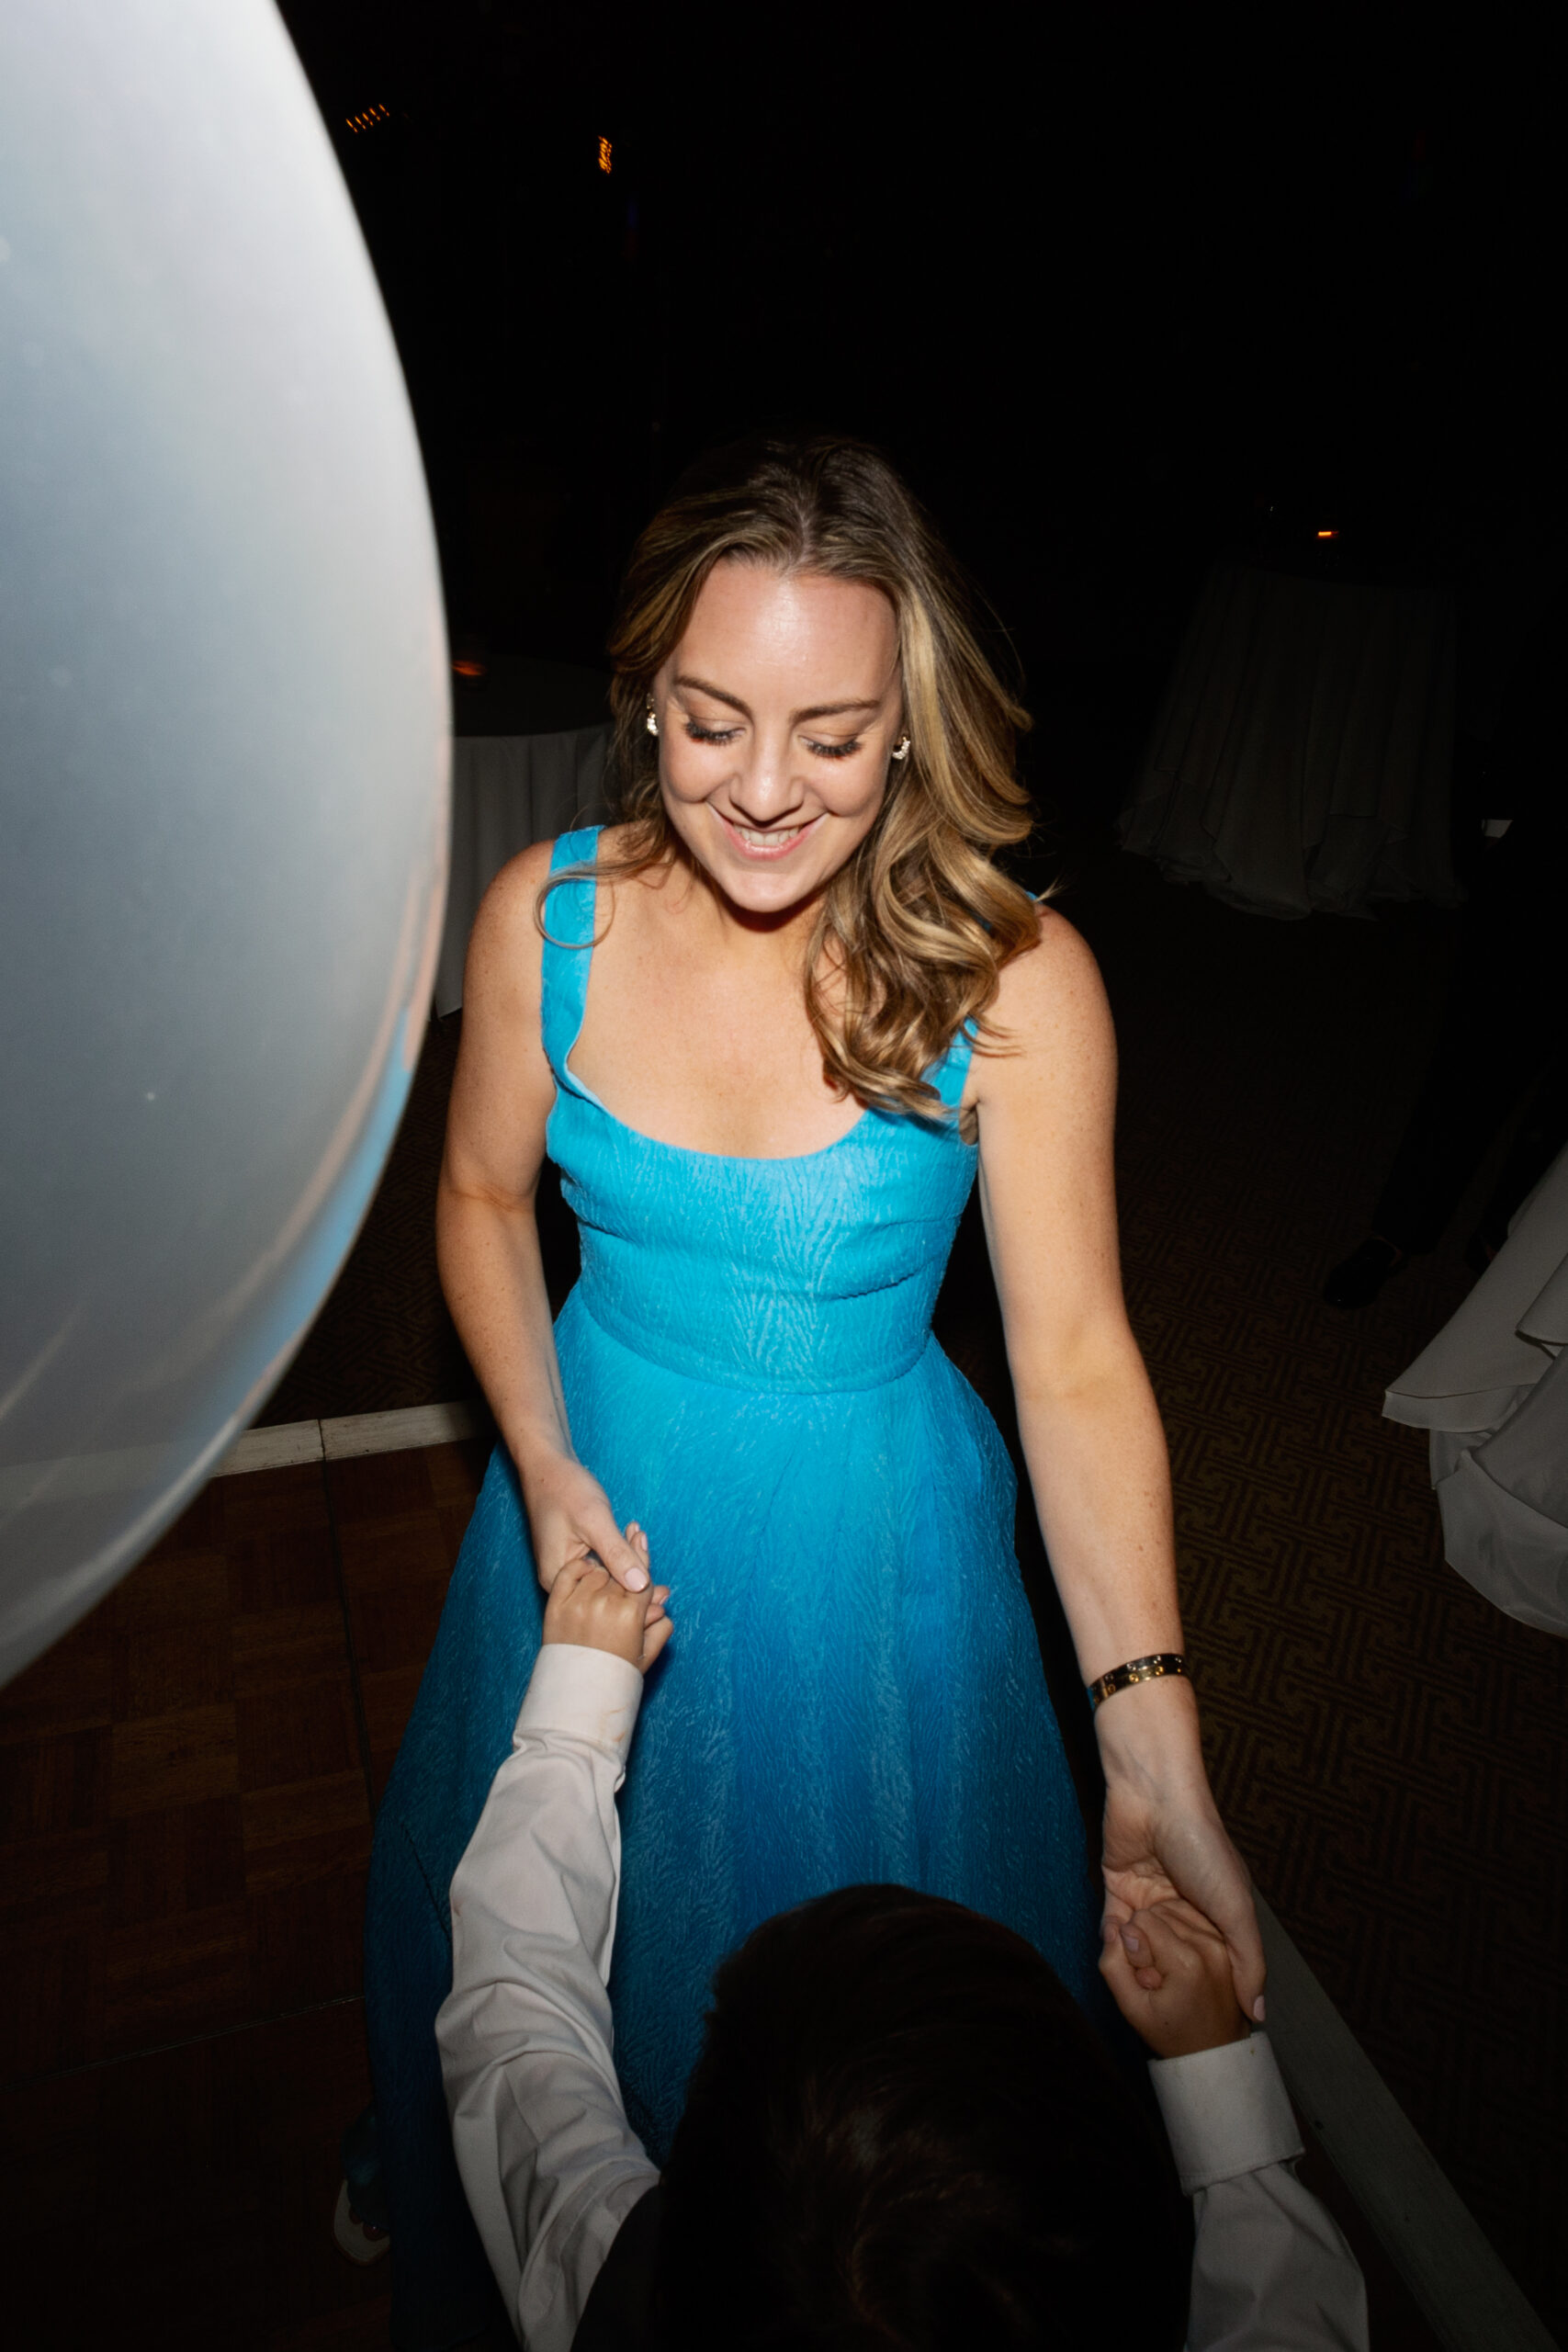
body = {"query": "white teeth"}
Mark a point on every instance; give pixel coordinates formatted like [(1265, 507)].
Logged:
[(769, 840)]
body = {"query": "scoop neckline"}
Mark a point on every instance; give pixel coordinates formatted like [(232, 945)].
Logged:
[(690, 1151)]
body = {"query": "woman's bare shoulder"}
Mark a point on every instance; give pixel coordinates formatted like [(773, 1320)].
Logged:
[(1055, 978), (506, 943), (1051, 1007)]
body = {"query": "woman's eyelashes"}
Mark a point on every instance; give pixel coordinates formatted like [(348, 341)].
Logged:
[(700, 734)]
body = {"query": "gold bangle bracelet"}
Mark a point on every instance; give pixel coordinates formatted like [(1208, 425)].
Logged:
[(1137, 1670)]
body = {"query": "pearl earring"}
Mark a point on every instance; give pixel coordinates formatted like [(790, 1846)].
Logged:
[(652, 720), (901, 748)]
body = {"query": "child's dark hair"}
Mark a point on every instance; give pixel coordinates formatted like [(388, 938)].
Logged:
[(904, 2133)]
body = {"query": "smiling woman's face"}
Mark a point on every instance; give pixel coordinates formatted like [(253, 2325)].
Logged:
[(778, 714)]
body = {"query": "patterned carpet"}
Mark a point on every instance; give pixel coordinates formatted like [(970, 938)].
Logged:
[(1386, 1746)]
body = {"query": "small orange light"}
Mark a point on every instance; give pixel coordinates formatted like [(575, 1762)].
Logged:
[(604, 154), (466, 668), (1328, 534)]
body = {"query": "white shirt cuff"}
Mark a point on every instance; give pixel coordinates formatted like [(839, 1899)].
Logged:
[(584, 1694), (1225, 2111)]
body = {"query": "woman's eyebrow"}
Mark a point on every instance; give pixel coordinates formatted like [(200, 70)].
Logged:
[(834, 710), (813, 710), (717, 693)]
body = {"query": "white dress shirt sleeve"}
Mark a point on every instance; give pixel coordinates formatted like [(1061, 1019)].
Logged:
[(1270, 2270), (548, 2161)]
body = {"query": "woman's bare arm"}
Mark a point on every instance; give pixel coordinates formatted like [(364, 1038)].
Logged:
[(487, 1237), (1091, 1429)]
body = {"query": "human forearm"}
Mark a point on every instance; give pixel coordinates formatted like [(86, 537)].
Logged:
[(1272, 2271), (494, 1280), (1097, 1462), (548, 2161), (493, 1277), (1097, 1453)]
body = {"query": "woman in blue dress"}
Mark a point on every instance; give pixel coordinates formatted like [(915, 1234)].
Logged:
[(769, 1028)]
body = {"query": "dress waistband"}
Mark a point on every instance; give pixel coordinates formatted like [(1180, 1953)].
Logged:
[(774, 1345)]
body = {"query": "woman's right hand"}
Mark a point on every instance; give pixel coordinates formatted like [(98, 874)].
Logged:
[(571, 1519)]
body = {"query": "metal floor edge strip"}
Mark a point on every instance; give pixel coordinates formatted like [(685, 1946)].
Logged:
[(1469, 2300), (288, 1443)]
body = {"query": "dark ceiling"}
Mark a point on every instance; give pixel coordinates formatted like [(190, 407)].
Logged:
[(1108, 292)]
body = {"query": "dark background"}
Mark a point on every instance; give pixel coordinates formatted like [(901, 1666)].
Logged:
[(1115, 295)]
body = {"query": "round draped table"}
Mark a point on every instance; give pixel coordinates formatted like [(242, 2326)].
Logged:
[(1301, 757), (509, 791), (1492, 1390), (537, 770)]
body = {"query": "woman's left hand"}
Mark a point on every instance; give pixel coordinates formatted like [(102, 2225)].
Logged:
[(1166, 1840), (1176, 1845)]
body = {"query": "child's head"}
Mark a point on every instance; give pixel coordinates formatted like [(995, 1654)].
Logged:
[(902, 2131)]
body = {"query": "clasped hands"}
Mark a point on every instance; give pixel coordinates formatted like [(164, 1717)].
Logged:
[(571, 1521), (598, 1577), (1165, 1843)]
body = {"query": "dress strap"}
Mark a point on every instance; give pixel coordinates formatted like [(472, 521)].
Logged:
[(948, 1075), (568, 948)]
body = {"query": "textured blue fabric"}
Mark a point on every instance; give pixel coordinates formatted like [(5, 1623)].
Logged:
[(854, 1691)]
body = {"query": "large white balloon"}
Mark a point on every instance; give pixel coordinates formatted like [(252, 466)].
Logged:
[(223, 762)]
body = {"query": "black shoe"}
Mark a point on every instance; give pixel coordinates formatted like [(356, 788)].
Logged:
[(1358, 1282)]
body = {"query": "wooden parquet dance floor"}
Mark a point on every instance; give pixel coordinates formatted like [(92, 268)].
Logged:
[(187, 1782)]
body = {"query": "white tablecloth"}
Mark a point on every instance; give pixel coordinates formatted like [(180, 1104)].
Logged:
[(1301, 757), (509, 791), (1492, 1390)]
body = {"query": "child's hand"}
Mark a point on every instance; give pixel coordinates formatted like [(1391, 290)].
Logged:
[(1169, 1973), (588, 1608)]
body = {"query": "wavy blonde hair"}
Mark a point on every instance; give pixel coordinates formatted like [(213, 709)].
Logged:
[(916, 924)]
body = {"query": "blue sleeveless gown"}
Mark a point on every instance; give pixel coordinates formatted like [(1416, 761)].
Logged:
[(853, 1690)]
